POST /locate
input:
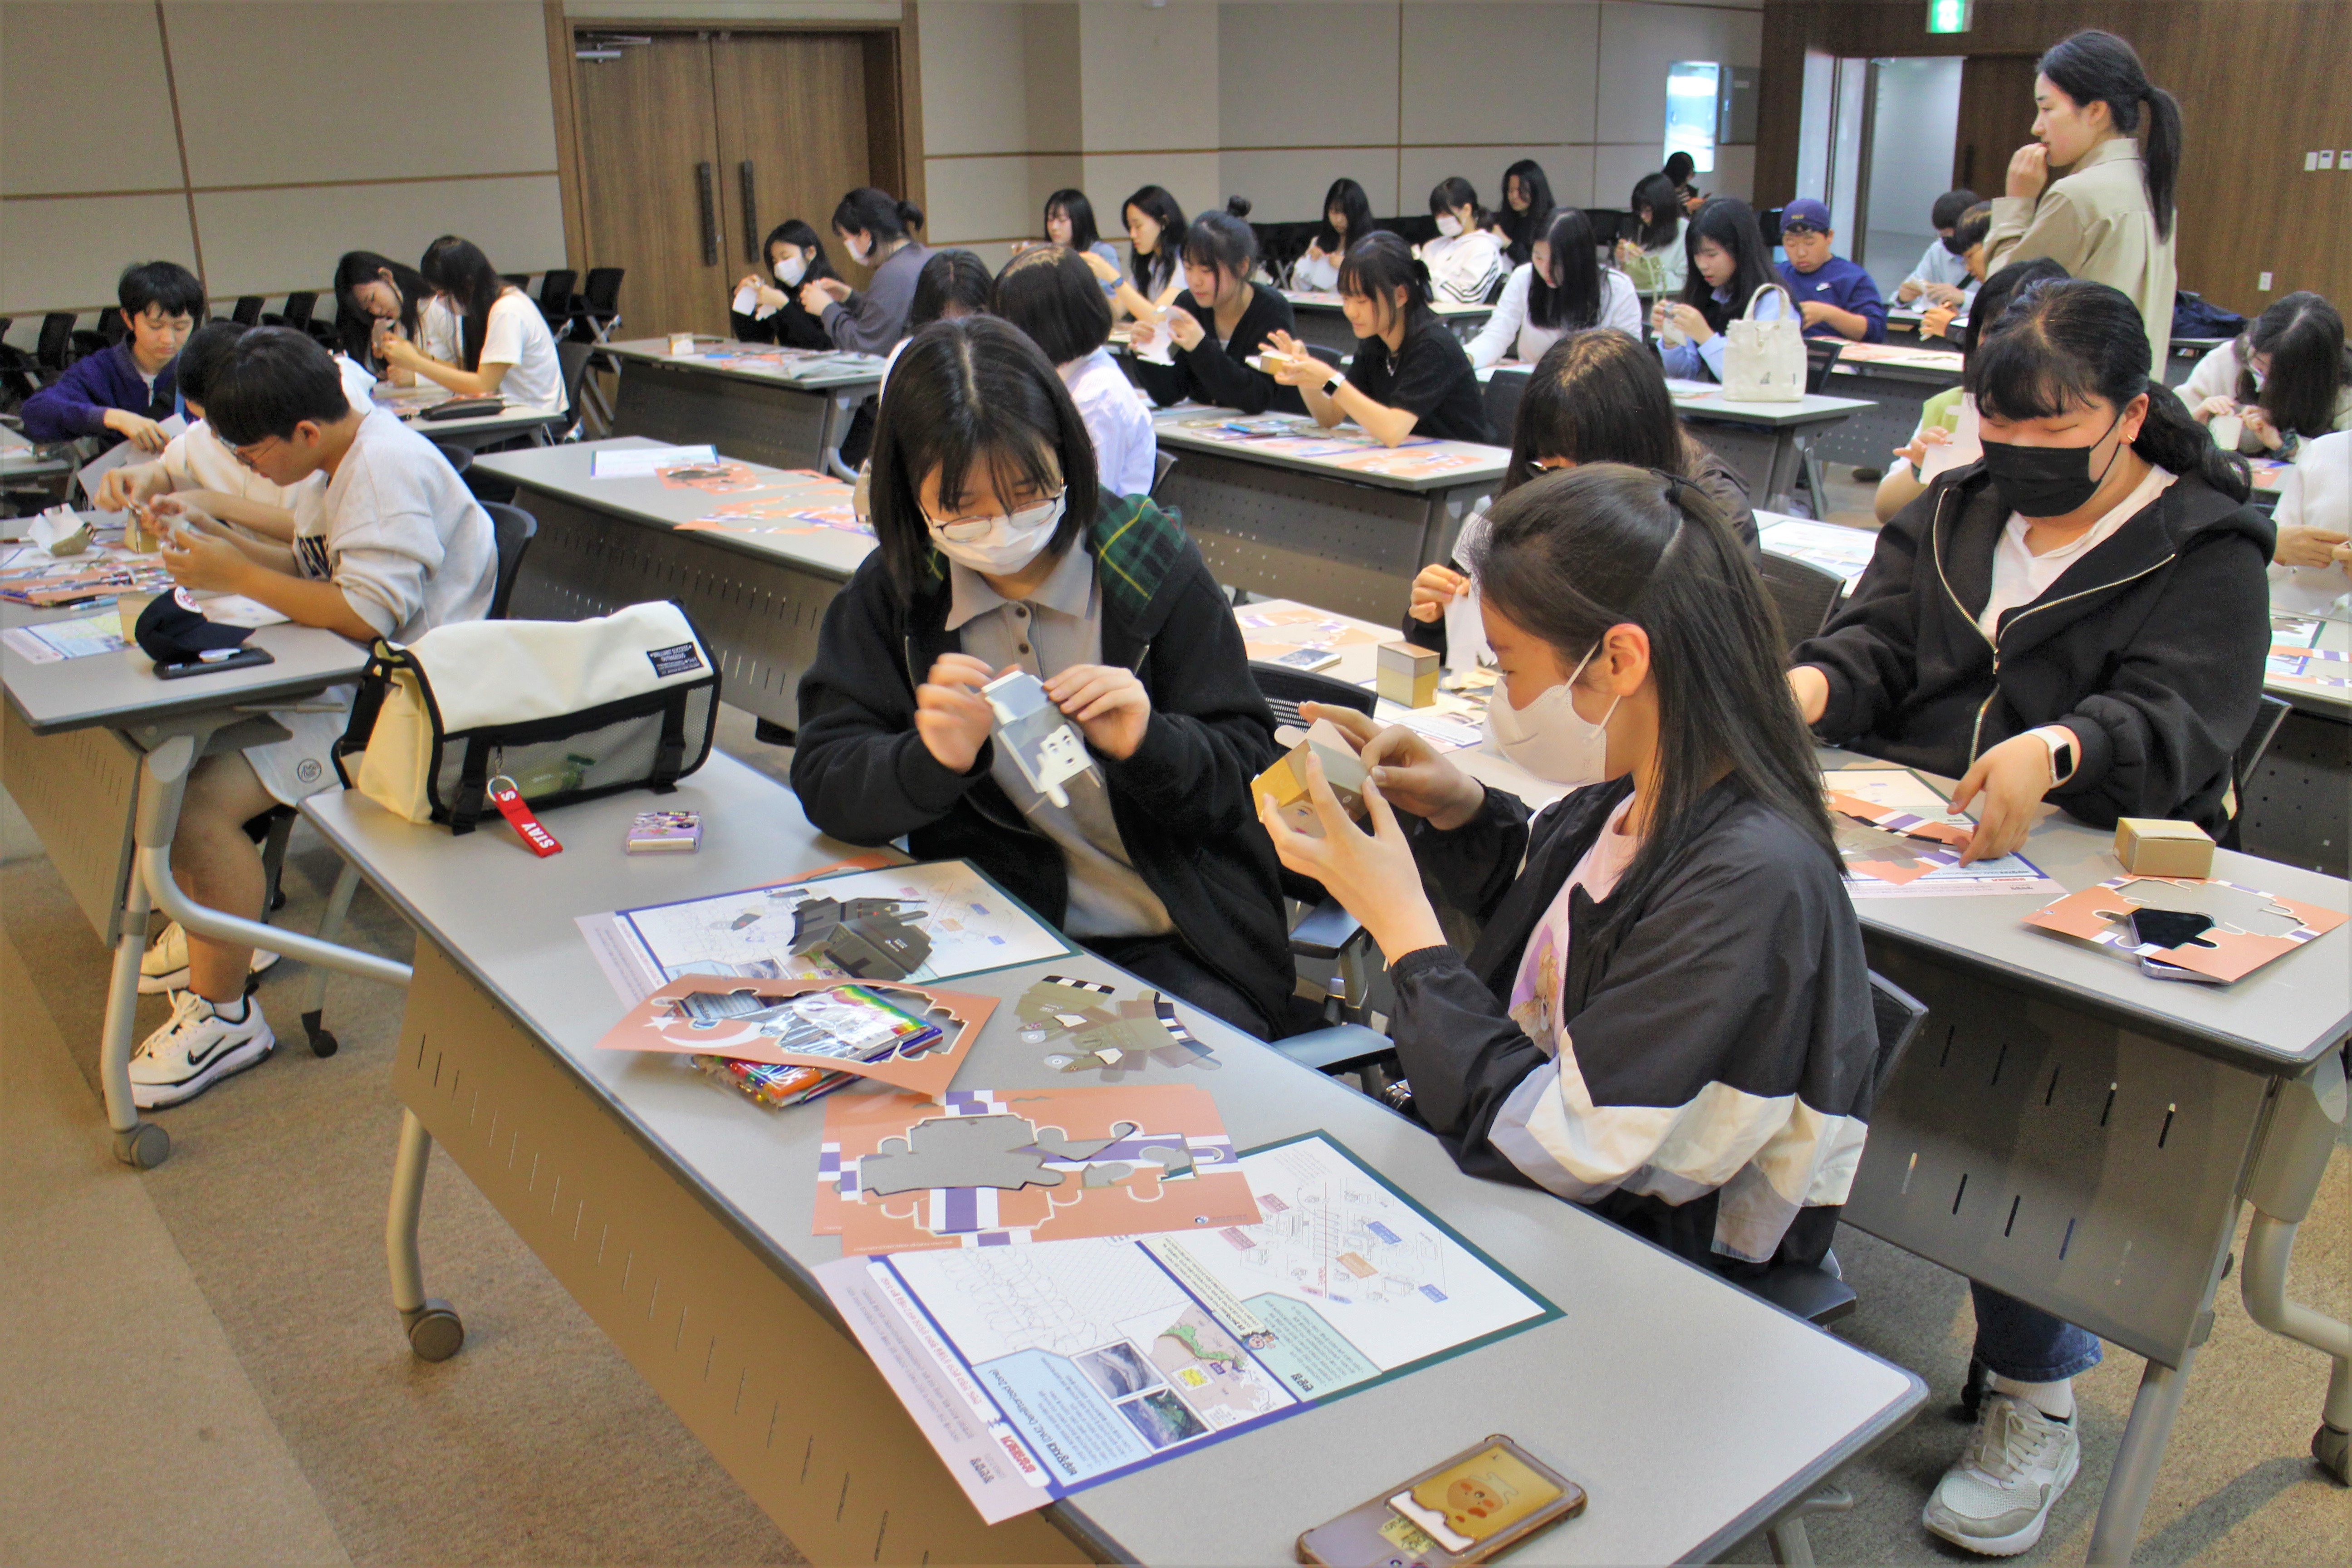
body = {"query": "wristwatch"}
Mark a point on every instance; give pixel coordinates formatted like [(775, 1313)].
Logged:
[(1332, 383), (2062, 757)]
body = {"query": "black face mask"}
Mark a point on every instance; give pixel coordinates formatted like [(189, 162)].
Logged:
[(2047, 481)]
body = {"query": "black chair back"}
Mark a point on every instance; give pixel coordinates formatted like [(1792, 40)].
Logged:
[(1803, 592), (57, 337), (1162, 461), (247, 310), (456, 457), (1504, 390), (111, 328), (1899, 1016), (515, 529), (1283, 690), (298, 307), (573, 358), (1820, 358), (2246, 759), (555, 294), (603, 294)]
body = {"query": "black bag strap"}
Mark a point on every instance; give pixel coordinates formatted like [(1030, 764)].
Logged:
[(670, 757), (375, 682), (473, 787)]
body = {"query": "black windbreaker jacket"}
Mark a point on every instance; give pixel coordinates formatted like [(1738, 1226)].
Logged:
[(2150, 647)]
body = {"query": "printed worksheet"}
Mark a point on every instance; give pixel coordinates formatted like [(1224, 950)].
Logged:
[(1039, 1371)]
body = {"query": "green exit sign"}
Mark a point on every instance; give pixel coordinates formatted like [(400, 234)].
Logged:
[(1947, 15)]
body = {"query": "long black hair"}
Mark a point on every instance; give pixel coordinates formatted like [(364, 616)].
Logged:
[(968, 392), (1072, 203), (1658, 193), (2303, 336), (1153, 271), (2093, 66), (792, 231), (1224, 242), (1992, 299), (1452, 192), (1731, 224), (1376, 266), (1569, 298), (1524, 228), (952, 279), (2066, 342), (458, 268), (353, 324), (1353, 205), (882, 217), (1598, 397), (1572, 554)]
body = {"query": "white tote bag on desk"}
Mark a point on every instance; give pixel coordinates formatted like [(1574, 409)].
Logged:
[(1764, 361)]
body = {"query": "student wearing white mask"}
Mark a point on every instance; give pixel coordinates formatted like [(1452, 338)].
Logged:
[(999, 550), (1667, 1016), (1469, 259), (875, 229), (796, 259)]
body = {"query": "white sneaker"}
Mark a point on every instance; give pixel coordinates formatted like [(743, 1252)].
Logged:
[(2018, 1463), (196, 1051), (164, 966)]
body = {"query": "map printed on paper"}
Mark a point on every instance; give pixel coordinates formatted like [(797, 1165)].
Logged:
[(1038, 1370)]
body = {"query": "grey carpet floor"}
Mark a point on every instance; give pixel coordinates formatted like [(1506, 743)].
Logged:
[(200, 1364)]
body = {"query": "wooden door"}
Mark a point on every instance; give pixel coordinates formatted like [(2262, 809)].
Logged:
[(793, 136), (648, 140), (1996, 118)]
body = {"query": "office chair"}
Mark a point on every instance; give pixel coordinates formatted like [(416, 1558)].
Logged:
[(2268, 717), (1162, 461), (1820, 358), (574, 357), (555, 298), (598, 305), (53, 347), (1504, 390), (246, 312), (1805, 595)]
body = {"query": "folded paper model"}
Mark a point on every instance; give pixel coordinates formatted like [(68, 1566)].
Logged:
[(1044, 746), (1285, 782)]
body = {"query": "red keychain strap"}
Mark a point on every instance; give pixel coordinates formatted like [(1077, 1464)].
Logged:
[(517, 811)]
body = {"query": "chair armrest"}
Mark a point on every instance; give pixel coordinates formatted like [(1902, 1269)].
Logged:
[(1326, 930), (1341, 1047)]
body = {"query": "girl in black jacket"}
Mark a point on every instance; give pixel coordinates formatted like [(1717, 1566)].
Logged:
[(2081, 615), (999, 550), (1668, 1017), (1220, 321), (795, 259)]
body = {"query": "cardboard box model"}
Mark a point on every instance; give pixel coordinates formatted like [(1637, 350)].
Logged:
[(2157, 846), (1044, 746), (1287, 780), (1407, 674), (872, 938)]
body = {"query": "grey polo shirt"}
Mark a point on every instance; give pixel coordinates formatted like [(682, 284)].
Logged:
[(1058, 626)]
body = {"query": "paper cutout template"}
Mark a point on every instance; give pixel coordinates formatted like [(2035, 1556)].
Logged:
[(1105, 1035), (1285, 780), (1045, 745), (663, 1022), (2228, 951), (1002, 1166), (1893, 820)]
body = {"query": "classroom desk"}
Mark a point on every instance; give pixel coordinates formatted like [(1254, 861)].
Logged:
[(1319, 319), (1895, 387), (678, 1216), (756, 599), (758, 412), (22, 463), (473, 432), (1313, 526), (2081, 1135), (95, 754), (2298, 805)]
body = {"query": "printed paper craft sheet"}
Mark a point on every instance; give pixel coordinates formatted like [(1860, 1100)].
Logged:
[(665, 1021), (2250, 927), (1039, 1371), (1125, 1161), (2321, 667), (1899, 840)]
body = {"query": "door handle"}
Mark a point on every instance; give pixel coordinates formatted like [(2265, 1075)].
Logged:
[(751, 213), (709, 197)]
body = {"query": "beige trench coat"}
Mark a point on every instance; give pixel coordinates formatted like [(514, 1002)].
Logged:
[(2096, 224)]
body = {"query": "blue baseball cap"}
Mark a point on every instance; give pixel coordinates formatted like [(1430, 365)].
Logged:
[(1805, 213)]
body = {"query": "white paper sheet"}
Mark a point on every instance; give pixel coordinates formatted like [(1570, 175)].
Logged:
[(1965, 445), (642, 462), (121, 453)]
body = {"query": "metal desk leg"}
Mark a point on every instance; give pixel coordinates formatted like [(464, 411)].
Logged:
[(2137, 1458), (435, 1332), (314, 999), (2305, 1120), (142, 1145), (1779, 488)]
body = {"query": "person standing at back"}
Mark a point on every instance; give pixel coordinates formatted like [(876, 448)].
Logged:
[(2109, 218)]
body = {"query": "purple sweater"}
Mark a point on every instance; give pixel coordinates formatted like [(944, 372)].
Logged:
[(76, 403)]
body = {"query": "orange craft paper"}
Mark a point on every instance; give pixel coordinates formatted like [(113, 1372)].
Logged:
[(653, 1024), (2097, 914), (1873, 813)]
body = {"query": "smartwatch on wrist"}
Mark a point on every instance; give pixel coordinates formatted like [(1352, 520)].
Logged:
[(1332, 383), (2062, 757)]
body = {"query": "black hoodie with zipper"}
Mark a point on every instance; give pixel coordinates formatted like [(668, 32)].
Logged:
[(1182, 802), (2150, 647)]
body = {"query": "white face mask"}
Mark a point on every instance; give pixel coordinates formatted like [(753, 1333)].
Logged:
[(1548, 737), (790, 269), (859, 250), (999, 546), (1448, 224)]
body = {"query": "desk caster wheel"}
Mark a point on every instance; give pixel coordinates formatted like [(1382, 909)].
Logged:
[(433, 1331), (144, 1147), (322, 1041), (2333, 1450)]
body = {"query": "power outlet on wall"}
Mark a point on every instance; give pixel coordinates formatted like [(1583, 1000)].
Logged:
[(2263, 284), (2328, 158)]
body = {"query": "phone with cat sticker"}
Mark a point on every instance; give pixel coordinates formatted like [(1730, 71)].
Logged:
[(1474, 1506)]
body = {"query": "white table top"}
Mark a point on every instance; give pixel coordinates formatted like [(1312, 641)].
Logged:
[(2278, 1019), (118, 691), (1705, 400), (2329, 702), (866, 373), (406, 402), (1486, 464), (1444, 309), (1689, 1409), (564, 471)]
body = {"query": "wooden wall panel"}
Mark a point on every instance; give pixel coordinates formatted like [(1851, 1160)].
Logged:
[(2260, 82)]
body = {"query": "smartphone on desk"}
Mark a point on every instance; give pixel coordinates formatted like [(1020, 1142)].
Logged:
[(243, 659), (1474, 1506)]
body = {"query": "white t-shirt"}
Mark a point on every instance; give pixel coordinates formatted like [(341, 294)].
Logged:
[(2315, 493), (197, 459), (359, 381), (398, 532), (517, 335), (439, 332), (2019, 576), (1543, 964), (1126, 450), (1511, 331)]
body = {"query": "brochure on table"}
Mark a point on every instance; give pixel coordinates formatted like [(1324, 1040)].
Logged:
[(1039, 1371), (1901, 846)]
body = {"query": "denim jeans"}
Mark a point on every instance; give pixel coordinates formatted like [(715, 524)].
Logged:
[(2027, 1343)]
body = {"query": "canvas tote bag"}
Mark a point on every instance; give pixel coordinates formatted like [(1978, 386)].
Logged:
[(1764, 361)]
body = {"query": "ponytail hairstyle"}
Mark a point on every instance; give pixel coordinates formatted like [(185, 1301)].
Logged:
[(792, 231), (1073, 205), (1597, 397), (1222, 242), (1993, 296), (1570, 298), (1453, 191), (970, 393), (1376, 266), (353, 323), (458, 268), (882, 217), (2093, 66), (1524, 228), (2303, 336), (1152, 272), (1659, 193), (2065, 343), (952, 283), (1054, 297), (1353, 205), (1572, 554), (1731, 224)]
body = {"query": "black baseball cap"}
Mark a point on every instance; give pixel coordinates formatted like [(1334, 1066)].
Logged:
[(172, 630)]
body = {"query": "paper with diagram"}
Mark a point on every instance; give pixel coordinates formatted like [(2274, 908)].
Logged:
[(1896, 834), (1039, 1371)]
